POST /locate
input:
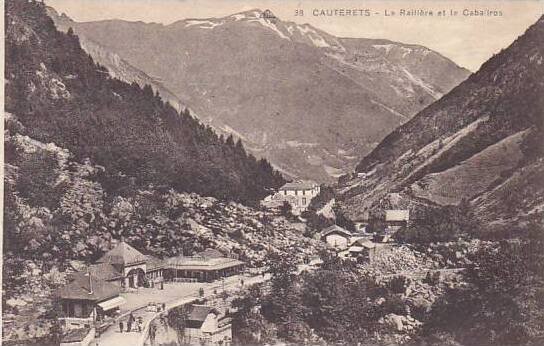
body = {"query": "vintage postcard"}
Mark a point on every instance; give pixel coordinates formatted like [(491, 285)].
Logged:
[(266, 172)]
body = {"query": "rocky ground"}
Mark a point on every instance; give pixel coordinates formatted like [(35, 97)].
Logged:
[(251, 233), (248, 232), (418, 279)]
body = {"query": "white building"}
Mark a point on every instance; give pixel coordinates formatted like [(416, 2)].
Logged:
[(336, 237), (299, 194)]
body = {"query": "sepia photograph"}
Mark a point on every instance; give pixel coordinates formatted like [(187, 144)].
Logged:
[(273, 173)]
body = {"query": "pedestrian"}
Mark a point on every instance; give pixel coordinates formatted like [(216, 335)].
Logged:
[(152, 334), (163, 307), (139, 325), (121, 326), (131, 320)]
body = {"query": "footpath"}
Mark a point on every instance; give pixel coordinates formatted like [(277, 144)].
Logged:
[(184, 294)]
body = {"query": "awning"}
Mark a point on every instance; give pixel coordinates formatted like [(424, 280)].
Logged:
[(112, 303)]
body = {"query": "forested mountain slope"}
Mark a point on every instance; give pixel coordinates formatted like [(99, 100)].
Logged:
[(60, 95)]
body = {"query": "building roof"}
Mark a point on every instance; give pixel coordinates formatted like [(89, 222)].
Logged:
[(397, 215), (211, 253), (202, 263), (154, 263), (100, 271), (80, 289), (200, 312), (366, 243), (123, 254), (299, 185), (356, 249), (335, 229), (77, 265)]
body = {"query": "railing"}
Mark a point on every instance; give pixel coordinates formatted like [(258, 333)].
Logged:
[(185, 280)]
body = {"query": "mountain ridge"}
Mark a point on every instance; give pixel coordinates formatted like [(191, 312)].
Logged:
[(476, 140), (308, 101)]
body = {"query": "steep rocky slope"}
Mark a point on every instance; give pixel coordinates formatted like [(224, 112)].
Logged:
[(310, 102), (482, 142)]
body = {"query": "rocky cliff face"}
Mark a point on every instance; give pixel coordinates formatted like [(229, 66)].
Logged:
[(478, 143), (310, 102)]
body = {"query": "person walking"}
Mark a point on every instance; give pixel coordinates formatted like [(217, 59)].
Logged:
[(131, 320), (121, 326), (140, 323), (151, 334)]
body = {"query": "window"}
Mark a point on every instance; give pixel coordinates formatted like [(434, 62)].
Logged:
[(304, 192), (304, 201)]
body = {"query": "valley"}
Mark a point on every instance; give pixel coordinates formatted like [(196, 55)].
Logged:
[(275, 83), (245, 180)]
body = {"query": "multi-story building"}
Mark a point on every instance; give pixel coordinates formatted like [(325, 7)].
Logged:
[(300, 194)]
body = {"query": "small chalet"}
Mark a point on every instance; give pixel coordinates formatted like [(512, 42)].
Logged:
[(336, 236), (86, 300), (131, 263), (206, 325), (396, 218), (362, 249)]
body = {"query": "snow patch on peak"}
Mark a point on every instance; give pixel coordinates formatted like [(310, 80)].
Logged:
[(204, 24), (238, 16), (319, 41), (386, 47), (271, 26), (405, 51), (291, 29), (309, 32), (305, 29)]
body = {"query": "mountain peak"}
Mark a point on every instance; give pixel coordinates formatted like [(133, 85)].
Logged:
[(250, 52)]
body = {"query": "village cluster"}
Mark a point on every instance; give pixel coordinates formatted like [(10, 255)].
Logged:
[(92, 300), (102, 295)]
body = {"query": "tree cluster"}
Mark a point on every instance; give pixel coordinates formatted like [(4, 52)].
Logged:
[(60, 95)]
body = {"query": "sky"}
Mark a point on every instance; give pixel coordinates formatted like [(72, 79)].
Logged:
[(467, 40)]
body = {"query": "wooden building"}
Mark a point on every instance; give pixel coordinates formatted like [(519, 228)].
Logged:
[(86, 300), (206, 325), (202, 269), (336, 236)]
